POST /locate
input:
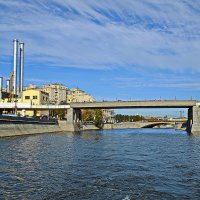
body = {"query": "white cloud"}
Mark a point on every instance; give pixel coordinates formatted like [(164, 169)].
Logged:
[(36, 81), (156, 81), (130, 33)]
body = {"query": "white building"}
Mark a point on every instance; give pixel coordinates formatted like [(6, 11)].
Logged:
[(57, 93), (77, 95)]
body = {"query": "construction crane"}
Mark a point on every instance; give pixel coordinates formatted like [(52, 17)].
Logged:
[(10, 97)]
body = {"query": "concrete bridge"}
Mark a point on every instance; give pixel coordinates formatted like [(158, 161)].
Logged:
[(134, 104), (74, 110), (154, 124), (142, 124), (193, 124), (105, 105)]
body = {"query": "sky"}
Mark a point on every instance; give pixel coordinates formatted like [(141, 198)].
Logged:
[(112, 49)]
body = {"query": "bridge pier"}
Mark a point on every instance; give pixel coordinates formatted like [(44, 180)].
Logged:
[(77, 119), (193, 124), (73, 122)]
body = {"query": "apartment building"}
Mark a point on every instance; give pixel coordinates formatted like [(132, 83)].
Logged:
[(57, 93), (77, 95)]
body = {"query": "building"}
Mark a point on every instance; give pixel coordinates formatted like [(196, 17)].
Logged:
[(57, 93), (35, 97), (108, 115), (4, 96), (77, 95), (30, 86)]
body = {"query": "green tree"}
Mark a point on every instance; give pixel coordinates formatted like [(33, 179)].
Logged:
[(98, 118), (128, 118)]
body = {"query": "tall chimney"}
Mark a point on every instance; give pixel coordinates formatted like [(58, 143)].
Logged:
[(1, 87), (15, 53), (8, 86), (21, 75)]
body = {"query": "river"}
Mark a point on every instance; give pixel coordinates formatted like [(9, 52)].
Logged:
[(99, 165)]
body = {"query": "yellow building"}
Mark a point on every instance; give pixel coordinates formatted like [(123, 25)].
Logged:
[(77, 95), (35, 97)]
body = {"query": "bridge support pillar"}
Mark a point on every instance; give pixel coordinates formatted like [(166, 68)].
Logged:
[(193, 126), (73, 122), (77, 119)]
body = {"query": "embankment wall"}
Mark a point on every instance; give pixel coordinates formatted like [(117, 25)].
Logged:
[(112, 126), (8, 130)]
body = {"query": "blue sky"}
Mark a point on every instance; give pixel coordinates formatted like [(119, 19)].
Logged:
[(113, 49)]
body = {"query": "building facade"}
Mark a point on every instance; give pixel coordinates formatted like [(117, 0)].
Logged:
[(77, 95), (57, 93), (35, 97), (108, 116)]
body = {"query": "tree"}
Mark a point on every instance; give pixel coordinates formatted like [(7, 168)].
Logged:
[(128, 118), (98, 120), (87, 115), (60, 113)]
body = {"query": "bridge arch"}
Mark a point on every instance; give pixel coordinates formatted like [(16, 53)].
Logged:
[(151, 125)]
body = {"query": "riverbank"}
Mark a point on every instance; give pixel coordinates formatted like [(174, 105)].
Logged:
[(131, 125), (24, 126), (8, 130), (15, 126), (111, 126)]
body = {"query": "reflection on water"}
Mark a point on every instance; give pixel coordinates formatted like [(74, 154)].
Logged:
[(112, 164)]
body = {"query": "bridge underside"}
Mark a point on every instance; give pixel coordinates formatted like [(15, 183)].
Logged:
[(152, 125)]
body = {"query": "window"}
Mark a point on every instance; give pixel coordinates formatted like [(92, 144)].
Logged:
[(35, 97), (27, 97)]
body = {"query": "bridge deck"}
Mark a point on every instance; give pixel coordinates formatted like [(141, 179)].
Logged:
[(105, 105), (135, 104)]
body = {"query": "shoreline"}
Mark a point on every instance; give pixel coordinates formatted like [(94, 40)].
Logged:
[(20, 128)]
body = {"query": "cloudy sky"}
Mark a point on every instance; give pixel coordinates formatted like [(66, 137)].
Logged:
[(113, 49)]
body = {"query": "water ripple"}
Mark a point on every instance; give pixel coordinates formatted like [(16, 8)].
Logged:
[(112, 164)]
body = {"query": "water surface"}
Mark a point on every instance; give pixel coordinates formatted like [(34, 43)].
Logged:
[(97, 165)]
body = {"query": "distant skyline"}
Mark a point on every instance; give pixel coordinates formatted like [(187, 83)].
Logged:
[(113, 49)]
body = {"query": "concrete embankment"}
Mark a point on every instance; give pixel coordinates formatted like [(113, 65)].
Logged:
[(7, 130), (15, 126), (89, 127), (122, 125), (128, 125), (112, 126)]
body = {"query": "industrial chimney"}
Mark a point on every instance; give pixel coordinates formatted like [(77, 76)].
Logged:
[(21, 75), (15, 53), (1, 87)]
